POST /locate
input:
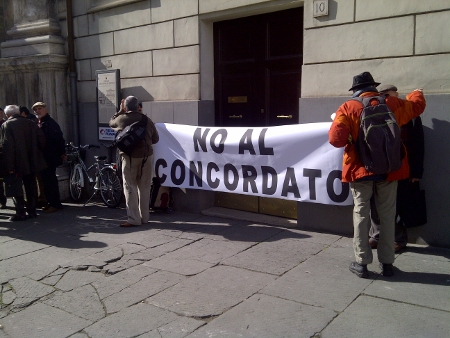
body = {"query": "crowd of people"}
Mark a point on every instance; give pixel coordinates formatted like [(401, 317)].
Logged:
[(32, 146)]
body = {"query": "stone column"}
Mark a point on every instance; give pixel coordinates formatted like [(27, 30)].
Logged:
[(36, 29), (33, 63)]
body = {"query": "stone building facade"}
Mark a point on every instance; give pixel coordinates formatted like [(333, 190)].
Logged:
[(167, 53)]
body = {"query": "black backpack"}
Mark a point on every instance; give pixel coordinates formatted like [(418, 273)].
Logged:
[(131, 136), (378, 144)]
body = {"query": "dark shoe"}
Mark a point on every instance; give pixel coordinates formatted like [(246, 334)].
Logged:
[(45, 207), (42, 203), (373, 243), (50, 210), (387, 269), (359, 269), (32, 215), (127, 225), (17, 218), (399, 247)]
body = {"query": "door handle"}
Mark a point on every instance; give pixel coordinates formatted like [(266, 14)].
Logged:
[(284, 116), (235, 116)]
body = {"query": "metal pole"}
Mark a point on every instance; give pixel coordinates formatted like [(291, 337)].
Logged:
[(72, 75)]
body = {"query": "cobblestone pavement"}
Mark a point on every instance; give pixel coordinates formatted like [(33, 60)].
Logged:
[(75, 273)]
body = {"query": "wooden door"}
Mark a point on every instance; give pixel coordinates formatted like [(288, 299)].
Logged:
[(257, 65)]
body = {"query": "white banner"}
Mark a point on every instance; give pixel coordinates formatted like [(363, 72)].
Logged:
[(293, 162)]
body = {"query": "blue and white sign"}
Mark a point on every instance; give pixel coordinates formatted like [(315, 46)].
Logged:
[(106, 134)]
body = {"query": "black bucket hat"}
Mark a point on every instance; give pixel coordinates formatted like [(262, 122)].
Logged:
[(363, 80)]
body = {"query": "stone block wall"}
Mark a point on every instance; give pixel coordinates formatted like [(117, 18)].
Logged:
[(400, 42), (395, 40)]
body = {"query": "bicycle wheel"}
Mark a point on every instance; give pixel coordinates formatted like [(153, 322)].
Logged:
[(76, 183), (110, 187)]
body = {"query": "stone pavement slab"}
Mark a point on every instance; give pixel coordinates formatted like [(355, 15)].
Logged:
[(34, 261), (131, 322), (139, 291), (28, 290), (416, 276), (319, 281), (245, 233), (40, 320), (211, 292), (82, 276), (265, 316), (110, 285), (375, 317), (82, 302), (18, 247), (73, 279), (185, 267), (210, 251), (274, 257), (180, 327)]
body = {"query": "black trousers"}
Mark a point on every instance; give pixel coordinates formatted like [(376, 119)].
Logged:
[(2, 193), (29, 183), (51, 188)]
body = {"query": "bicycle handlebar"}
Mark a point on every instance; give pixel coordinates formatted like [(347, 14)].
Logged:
[(86, 146)]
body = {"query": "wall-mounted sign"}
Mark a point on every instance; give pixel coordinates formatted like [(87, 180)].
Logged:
[(108, 99), (320, 8)]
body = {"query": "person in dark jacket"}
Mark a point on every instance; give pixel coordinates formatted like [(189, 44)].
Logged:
[(26, 113), (54, 152), (22, 142), (413, 139)]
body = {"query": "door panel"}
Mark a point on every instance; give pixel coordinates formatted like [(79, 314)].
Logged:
[(283, 93), (239, 95)]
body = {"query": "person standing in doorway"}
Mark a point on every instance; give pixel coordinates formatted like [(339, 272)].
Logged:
[(413, 139)]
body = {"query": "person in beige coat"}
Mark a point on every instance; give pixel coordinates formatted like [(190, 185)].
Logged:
[(137, 168)]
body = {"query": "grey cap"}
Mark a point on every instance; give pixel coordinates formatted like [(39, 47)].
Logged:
[(382, 88)]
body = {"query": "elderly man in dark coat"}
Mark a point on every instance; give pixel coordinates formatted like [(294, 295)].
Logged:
[(22, 142), (53, 152)]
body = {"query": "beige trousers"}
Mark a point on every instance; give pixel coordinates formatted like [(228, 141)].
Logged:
[(137, 181), (385, 195)]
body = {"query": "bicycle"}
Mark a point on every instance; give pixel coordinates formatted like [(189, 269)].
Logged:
[(105, 180)]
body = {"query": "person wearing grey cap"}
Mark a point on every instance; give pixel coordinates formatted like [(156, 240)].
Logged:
[(137, 167), (363, 183), (412, 137)]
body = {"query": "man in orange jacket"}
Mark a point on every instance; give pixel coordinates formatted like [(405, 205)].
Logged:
[(343, 133)]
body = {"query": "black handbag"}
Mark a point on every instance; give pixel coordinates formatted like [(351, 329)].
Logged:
[(412, 206), (13, 185)]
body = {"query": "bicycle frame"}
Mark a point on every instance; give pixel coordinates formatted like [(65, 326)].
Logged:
[(104, 181)]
